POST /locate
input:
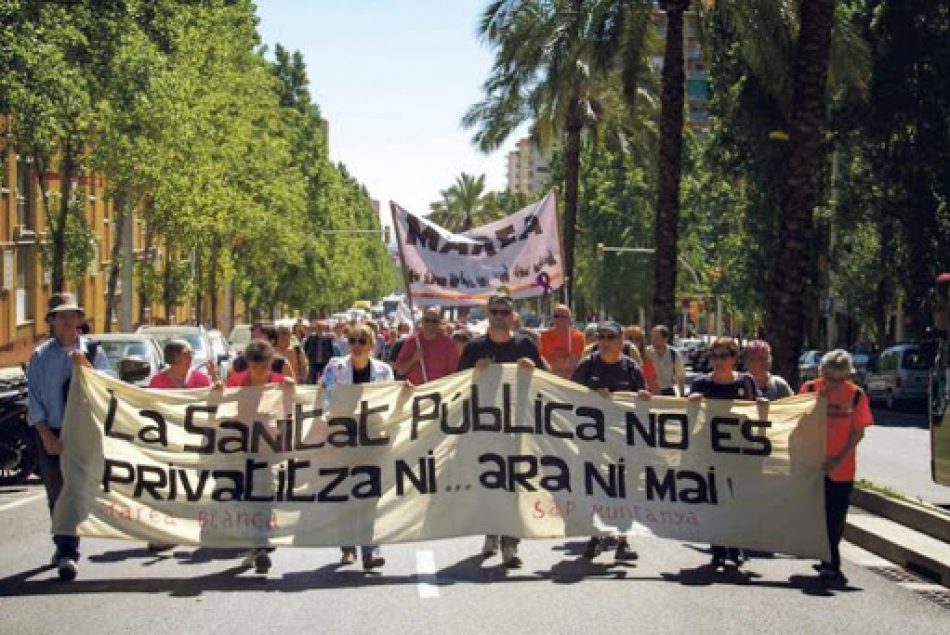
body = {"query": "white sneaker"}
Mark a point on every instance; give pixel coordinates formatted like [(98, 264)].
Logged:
[(67, 569), (509, 557), (490, 548)]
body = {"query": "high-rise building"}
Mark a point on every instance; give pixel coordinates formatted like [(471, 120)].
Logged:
[(528, 167)]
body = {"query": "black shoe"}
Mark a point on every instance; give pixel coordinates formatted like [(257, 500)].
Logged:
[(593, 548), (373, 561), (624, 552), (348, 556), (261, 562), (717, 562), (67, 569)]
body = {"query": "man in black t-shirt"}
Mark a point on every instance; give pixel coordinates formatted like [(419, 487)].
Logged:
[(318, 347), (608, 370), (499, 345)]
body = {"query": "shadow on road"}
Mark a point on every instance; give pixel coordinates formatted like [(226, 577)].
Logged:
[(896, 419)]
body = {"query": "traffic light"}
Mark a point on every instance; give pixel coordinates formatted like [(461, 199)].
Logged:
[(600, 251)]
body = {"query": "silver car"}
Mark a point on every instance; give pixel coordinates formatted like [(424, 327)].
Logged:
[(119, 345), (899, 375), (196, 336)]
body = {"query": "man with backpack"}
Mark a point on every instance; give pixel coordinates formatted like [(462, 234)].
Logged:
[(48, 378), (670, 372)]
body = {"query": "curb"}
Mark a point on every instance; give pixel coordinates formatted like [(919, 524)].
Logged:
[(913, 518)]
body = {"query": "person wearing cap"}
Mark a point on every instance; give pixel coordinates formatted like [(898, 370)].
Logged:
[(500, 345), (848, 415), (608, 370), (48, 377), (562, 344), (430, 354)]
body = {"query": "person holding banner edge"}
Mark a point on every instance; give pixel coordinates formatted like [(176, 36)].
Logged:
[(358, 368), (48, 378), (500, 345), (608, 370), (724, 383)]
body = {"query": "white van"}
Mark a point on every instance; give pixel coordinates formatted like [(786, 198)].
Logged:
[(899, 375)]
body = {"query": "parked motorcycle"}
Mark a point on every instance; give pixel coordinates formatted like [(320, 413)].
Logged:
[(18, 452)]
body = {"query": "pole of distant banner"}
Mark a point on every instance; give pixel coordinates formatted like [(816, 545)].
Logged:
[(402, 257), (568, 300)]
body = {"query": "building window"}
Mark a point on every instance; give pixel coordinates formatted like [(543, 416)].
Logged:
[(24, 196), (25, 284)]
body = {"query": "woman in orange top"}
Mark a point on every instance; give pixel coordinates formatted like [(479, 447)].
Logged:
[(848, 415)]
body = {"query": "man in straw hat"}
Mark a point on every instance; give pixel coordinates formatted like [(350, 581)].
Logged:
[(48, 377)]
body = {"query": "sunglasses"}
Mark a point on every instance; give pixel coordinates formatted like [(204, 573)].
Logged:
[(560, 316), (500, 311), (607, 336), (358, 340)]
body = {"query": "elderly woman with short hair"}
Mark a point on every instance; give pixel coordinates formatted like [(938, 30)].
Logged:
[(178, 373), (848, 414), (758, 362)]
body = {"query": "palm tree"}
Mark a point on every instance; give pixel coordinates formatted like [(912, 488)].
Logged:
[(670, 167), (463, 205), (552, 60), (785, 316)]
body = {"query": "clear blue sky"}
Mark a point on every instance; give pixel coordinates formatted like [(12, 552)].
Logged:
[(394, 79)]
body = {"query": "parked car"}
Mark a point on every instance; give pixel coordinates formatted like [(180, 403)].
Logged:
[(900, 375), (808, 365), (119, 345), (196, 336), (861, 363)]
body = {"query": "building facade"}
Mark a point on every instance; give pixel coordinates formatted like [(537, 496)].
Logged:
[(528, 167), (698, 91)]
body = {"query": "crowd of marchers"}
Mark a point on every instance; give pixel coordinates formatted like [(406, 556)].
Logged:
[(607, 358)]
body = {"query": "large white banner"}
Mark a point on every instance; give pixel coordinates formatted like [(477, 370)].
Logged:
[(506, 450), (521, 253)]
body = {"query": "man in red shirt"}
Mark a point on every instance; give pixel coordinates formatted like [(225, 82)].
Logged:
[(848, 415), (562, 345), (429, 354)]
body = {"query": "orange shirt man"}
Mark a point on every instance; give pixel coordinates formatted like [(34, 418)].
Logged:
[(562, 345)]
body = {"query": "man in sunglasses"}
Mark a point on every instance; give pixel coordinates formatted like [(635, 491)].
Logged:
[(608, 370), (430, 354), (500, 345), (562, 345)]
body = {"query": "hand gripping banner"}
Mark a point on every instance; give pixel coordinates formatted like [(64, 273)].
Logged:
[(504, 451)]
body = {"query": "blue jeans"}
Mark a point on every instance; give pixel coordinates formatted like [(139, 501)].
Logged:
[(66, 546)]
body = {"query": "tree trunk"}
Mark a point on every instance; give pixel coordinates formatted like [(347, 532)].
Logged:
[(666, 229), (148, 263), (572, 163), (213, 280), (115, 266), (58, 230), (168, 287), (785, 316)]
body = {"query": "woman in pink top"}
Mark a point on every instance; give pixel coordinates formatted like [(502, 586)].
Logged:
[(178, 373)]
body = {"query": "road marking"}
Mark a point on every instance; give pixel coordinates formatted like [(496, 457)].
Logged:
[(22, 501), (425, 573)]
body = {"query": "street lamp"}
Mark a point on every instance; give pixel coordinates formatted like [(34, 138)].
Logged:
[(601, 249)]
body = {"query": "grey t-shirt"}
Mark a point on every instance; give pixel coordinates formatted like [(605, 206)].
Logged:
[(776, 388)]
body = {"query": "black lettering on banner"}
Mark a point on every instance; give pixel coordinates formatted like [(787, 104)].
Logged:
[(720, 434), (483, 243), (595, 429), (157, 433), (111, 475), (672, 442), (207, 446), (144, 482), (460, 247), (347, 436), (110, 420), (549, 428), (684, 486), (193, 494), (302, 416), (614, 485), (420, 414), (532, 225), (494, 414), (372, 487), (424, 481), (658, 422), (292, 467), (427, 237), (224, 494), (251, 467), (365, 413), (237, 443), (506, 236), (339, 475), (560, 479), (756, 432)]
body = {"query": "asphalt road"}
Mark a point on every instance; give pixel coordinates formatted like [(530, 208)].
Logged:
[(895, 452), (436, 587)]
